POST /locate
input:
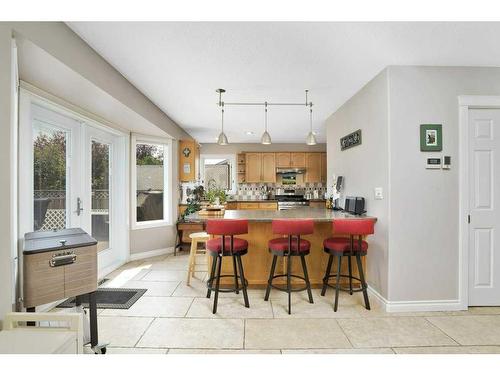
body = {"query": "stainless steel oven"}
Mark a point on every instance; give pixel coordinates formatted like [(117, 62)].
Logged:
[(290, 199)]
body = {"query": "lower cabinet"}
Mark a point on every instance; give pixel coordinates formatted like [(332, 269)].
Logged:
[(257, 206)]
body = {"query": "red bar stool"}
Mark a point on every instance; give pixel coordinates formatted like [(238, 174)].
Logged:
[(224, 246), (349, 247), (290, 247)]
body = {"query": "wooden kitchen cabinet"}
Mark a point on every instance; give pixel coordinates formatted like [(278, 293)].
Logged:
[(253, 167), (283, 159), (257, 206), (290, 159), (248, 206), (260, 167), (268, 167), (268, 205), (298, 159), (323, 167), (313, 167)]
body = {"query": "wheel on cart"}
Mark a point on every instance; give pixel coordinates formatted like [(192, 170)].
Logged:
[(99, 349)]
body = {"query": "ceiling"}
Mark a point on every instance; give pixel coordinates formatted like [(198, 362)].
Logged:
[(178, 65)]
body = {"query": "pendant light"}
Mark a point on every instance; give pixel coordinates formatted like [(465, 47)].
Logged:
[(311, 138), (266, 137), (222, 139)]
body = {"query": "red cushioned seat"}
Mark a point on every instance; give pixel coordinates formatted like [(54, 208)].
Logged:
[(342, 245), (281, 245), (240, 245)]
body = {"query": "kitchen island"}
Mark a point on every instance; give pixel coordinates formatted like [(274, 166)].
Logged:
[(257, 262)]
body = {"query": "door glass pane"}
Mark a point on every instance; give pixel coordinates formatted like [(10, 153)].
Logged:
[(150, 181), (100, 194), (49, 177)]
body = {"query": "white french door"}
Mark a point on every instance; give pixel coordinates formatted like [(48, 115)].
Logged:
[(484, 195), (73, 174)]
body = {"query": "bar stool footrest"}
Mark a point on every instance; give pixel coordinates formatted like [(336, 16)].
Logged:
[(345, 289), (284, 289), (225, 290)]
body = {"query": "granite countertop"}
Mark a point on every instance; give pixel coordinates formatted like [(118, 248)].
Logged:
[(258, 201), (317, 214)]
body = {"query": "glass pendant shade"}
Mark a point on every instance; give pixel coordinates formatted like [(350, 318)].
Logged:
[(222, 140), (311, 139), (266, 138)]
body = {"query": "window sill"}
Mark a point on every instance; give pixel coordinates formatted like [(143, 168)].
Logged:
[(151, 224)]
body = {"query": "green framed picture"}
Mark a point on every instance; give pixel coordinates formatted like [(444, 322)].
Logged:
[(431, 137)]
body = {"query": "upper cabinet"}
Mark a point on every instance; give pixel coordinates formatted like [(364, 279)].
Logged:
[(290, 159), (313, 167), (253, 168), (269, 167), (260, 167), (298, 159), (189, 161), (282, 159), (323, 167)]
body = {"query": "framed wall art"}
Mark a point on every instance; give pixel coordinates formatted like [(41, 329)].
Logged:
[(431, 137)]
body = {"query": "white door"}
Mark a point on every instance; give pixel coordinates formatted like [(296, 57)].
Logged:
[(73, 174), (103, 210), (50, 170), (484, 194)]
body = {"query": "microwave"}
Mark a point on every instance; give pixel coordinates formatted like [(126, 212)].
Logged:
[(355, 205)]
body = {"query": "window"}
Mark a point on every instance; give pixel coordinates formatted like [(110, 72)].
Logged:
[(218, 171), (151, 163)]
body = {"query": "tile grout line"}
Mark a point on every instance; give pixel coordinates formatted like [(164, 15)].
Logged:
[(345, 334), (143, 333), (189, 308), (435, 326), (244, 332)]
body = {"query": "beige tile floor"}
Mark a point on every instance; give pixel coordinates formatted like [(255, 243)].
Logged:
[(174, 318)]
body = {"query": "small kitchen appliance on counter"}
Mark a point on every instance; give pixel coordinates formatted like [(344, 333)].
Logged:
[(355, 205)]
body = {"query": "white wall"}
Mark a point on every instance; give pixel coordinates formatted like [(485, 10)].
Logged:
[(64, 45), (366, 166), (424, 203), (414, 255), (6, 165)]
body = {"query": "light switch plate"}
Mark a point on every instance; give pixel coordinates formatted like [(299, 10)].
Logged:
[(379, 193)]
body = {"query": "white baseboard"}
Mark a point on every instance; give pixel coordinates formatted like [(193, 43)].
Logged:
[(413, 306), (151, 253)]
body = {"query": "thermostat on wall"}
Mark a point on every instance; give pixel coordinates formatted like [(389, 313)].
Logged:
[(433, 163)]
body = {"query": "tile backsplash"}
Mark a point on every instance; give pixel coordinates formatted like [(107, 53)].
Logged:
[(255, 191)]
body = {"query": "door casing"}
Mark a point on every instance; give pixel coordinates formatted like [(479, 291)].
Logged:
[(465, 103), (121, 167)]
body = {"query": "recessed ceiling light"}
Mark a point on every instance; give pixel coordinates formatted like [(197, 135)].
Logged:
[(249, 133)]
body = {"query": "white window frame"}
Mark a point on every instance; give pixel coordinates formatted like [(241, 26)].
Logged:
[(234, 168), (167, 178)]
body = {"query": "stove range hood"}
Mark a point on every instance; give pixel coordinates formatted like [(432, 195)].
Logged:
[(290, 170)]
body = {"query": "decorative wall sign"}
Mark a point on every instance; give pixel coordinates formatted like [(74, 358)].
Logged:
[(350, 140), (431, 137)]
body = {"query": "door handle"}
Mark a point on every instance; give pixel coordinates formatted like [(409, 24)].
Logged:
[(79, 207)]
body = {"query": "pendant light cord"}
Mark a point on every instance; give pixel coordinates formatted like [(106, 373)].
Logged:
[(266, 115), (222, 118), (311, 119)]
